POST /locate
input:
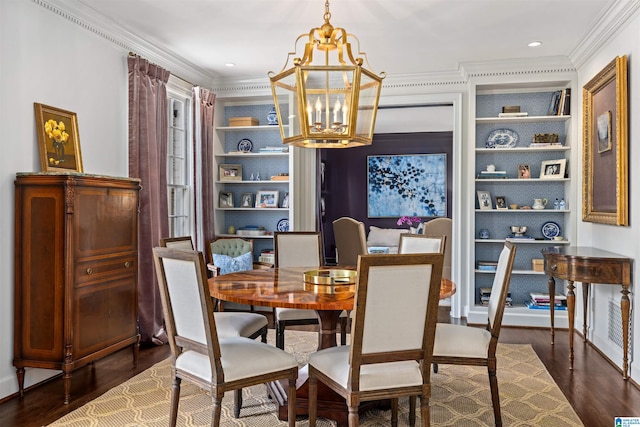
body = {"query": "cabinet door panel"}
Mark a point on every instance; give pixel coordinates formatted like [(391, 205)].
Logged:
[(123, 300), (104, 314), (90, 314), (106, 221)]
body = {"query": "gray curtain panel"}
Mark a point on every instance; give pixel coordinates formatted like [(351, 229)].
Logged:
[(148, 161)]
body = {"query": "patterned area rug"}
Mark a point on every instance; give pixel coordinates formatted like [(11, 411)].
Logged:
[(460, 397)]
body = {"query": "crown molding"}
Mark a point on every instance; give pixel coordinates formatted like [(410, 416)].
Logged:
[(616, 16), (516, 67), (85, 17)]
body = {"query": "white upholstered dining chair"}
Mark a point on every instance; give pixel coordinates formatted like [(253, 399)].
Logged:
[(228, 324), (466, 345), (408, 244), (296, 249), (385, 360), (198, 354)]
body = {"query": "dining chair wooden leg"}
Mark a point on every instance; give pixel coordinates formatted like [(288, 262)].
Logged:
[(394, 412), (313, 400), (343, 329), (216, 413), (175, 399), (354, 416), (412, 410), (280, 335), (291, 413), (237, 402), (495, 397), (425, 413)]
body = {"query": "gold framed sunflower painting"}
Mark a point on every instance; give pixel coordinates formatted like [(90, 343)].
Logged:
[(58, 139)]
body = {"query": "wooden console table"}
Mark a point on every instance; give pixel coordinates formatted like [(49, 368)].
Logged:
[(588, 265)]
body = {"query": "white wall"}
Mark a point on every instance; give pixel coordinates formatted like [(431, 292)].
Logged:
[(621, 240), (48, 59)]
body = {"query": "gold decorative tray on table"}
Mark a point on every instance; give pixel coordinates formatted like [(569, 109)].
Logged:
[(330, 280)]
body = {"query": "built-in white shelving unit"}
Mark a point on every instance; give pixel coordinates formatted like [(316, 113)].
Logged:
[(535, 99)]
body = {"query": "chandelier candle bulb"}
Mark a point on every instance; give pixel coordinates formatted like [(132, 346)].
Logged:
[(336, 109), (318, 111)]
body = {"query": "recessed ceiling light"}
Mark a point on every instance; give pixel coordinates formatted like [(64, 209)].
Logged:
[(535, 43), (229, 64)]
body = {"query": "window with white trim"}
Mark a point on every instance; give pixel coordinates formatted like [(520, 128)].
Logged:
[(179, 164)]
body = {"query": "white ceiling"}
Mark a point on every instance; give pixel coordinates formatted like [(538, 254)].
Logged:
[(399, 36)]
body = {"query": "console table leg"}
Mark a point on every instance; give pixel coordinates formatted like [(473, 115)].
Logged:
[(571, 307), (625, 307), (585, 299), (551, 283)]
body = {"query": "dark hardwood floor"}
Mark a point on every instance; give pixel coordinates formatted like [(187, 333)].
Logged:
[(595, 388)]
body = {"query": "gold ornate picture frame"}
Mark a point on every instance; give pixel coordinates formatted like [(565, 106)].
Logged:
[(58, 139), (605, 163)]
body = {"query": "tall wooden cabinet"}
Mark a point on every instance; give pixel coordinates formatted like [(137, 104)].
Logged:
[(76, 265)]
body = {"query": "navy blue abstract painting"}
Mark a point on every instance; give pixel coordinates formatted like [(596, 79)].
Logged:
[(413, 185)]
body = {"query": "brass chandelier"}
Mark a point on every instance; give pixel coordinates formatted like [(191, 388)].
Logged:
[(330, 102)]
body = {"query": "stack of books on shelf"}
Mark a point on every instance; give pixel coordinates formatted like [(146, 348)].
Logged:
[(268, 256), (275, 149), (541, 301), (560, 103), (485, 294), (492, 174), (487, 265)]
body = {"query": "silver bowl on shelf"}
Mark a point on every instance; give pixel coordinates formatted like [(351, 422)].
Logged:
[(518, 230)]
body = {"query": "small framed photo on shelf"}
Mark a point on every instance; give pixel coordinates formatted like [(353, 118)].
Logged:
[(285, 201), (267, 199), (230, 172), (484, 200), (524, 171), (553, 169), (501, 203), (247, 200), (225, 199)]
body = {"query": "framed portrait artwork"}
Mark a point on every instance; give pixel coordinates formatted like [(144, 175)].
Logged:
[(501, 202), (247, 200), (225, 199), (230, 172), (524, 171), (58, 139), (484, 200), (605, 161), (285, 201), (267, 199), (553, 169)]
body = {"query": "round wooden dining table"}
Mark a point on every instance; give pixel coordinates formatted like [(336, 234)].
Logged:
[(286, 287)]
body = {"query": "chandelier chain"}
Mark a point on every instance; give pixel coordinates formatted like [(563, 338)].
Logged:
[(327, 14)]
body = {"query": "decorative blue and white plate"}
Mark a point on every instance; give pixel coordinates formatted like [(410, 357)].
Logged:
[(245, 145), (502, 138), (283, 225), (550, 230)]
